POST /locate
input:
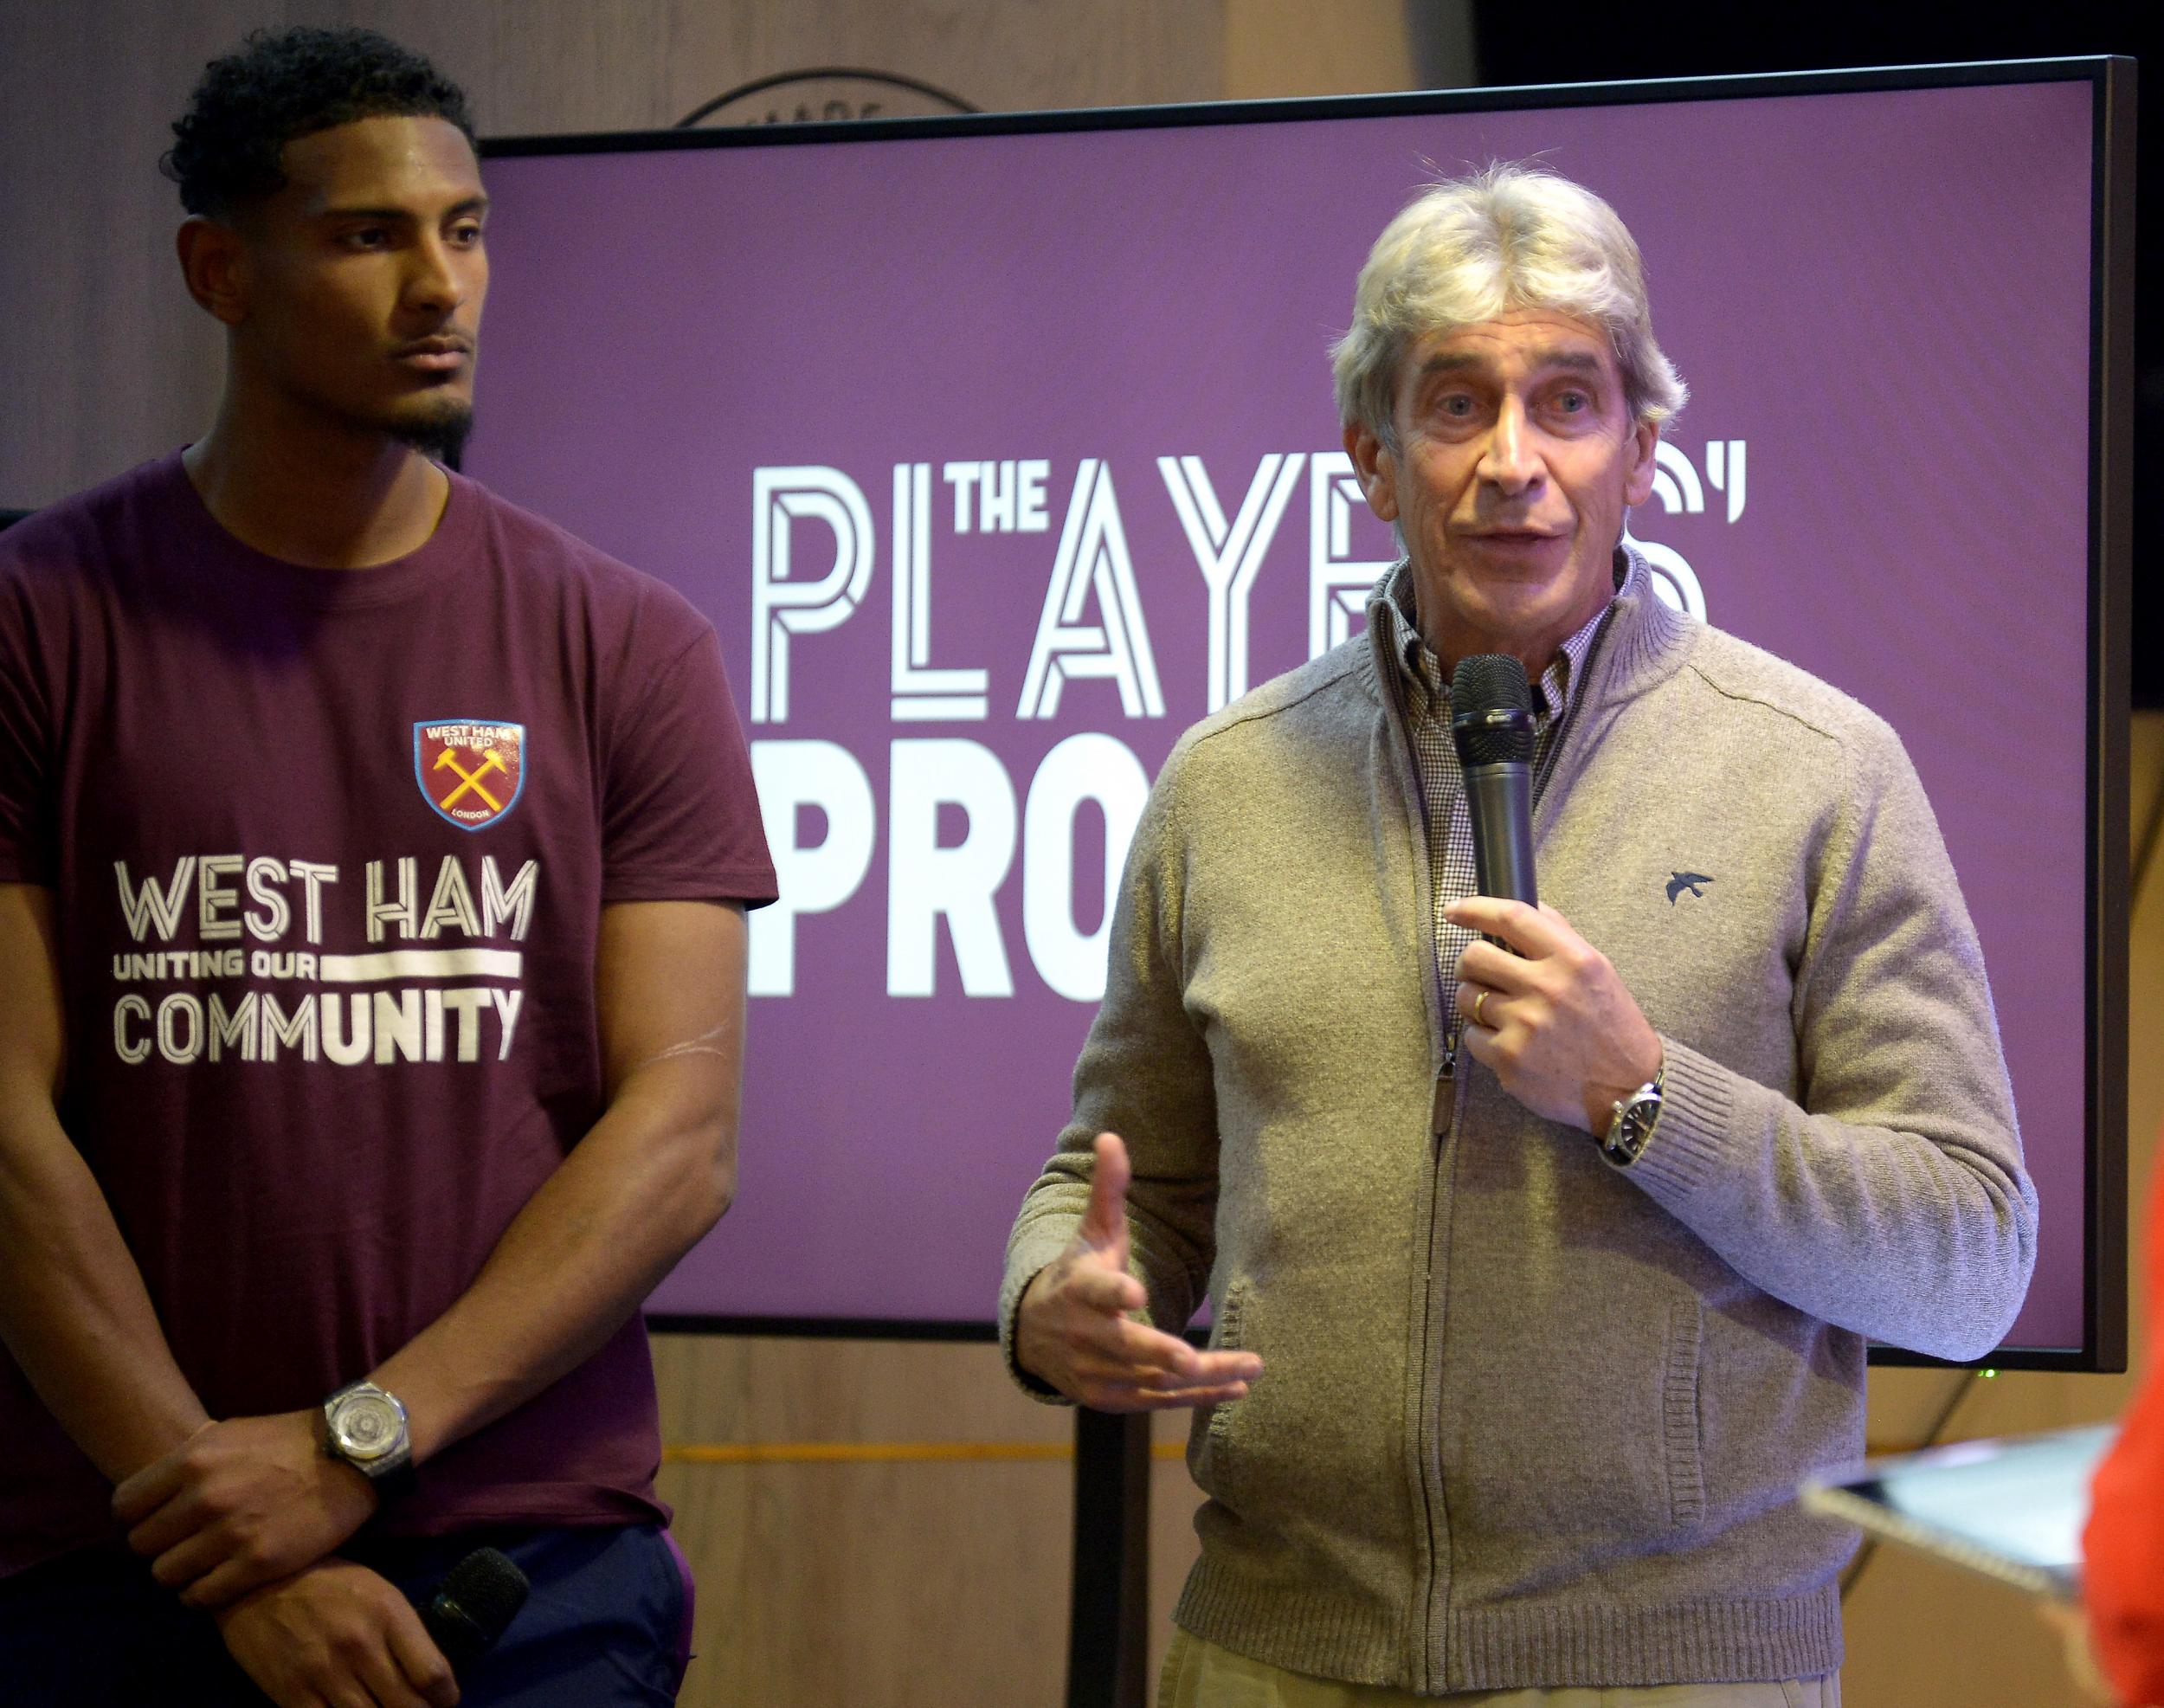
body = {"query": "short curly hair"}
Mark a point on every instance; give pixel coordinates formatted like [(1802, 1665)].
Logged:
[(229, 145)]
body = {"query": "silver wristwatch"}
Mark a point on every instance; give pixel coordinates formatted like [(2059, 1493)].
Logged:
[(366, 1427), (1631, 1127)]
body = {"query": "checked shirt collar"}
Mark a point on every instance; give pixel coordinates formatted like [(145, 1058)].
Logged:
[(1446, 825)]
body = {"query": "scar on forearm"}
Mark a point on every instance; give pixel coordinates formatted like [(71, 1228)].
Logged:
[(698, 1046)]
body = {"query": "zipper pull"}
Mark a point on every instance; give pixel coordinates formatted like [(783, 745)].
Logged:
[(1444, 1107)]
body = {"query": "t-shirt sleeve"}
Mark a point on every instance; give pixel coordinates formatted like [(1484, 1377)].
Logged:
[(679, 814), (26, 830)]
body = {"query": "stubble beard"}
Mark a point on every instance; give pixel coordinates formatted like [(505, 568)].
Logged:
[(440, 431)]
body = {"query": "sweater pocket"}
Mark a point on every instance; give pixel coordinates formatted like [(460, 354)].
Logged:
[(1213, 1439), (1682, 1449)]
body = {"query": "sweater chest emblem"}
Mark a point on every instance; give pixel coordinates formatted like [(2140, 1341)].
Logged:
[(1680, 881)]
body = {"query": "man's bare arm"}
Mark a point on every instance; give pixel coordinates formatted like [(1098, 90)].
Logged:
[(74, 1311), (250, 1500), (638, 1192)]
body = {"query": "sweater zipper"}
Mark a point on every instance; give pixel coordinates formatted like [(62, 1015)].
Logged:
[(1442, 1116), (1442, 1120)]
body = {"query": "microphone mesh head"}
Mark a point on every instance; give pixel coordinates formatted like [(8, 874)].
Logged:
[(1491, 711), (488, 1588)]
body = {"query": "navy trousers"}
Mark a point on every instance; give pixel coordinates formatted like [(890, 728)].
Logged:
[(606, 1626)]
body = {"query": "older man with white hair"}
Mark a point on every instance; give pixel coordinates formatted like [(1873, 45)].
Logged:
[(1541, 1244)]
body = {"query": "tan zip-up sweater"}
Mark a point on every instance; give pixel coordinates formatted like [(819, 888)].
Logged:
[(1526, 1419)]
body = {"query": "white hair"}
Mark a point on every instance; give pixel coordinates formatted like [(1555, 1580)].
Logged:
[(1471, 249)]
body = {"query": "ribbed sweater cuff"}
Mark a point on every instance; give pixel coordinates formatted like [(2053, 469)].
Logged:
[(1691, 1146), (1023, 1262)]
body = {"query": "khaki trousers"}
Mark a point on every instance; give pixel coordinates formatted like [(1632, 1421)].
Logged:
[(1200, 1674)]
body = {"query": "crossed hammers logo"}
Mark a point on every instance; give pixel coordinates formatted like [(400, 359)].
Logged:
[(491, 761)]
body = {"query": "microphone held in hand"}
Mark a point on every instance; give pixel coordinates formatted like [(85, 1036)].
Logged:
[(477, 1598), (1491, 723)]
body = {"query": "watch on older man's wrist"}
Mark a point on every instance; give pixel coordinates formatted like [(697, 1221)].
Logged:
[(365, 1426), (1630, 1124)]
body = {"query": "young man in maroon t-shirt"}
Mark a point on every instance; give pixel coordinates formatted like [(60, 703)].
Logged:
[(373, 865)]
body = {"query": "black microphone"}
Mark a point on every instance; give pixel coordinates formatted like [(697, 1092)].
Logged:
[(1491, 723), (477, 1598)]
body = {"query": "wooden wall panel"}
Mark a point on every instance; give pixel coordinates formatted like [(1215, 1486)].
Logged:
[(105, 358), (1357, 47), (888, 1584)]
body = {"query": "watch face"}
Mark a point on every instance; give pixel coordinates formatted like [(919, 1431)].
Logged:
[(1626, 1139), (367, 1424)]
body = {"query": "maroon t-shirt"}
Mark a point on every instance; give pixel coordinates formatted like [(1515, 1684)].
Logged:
[(329, 849)]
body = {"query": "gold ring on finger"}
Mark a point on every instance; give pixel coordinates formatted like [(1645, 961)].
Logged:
[(1479, 1010)]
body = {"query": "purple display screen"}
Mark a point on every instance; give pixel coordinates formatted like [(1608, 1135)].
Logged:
[(997, 459)]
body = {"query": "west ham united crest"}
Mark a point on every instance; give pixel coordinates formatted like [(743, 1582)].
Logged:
[(470, 770)]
